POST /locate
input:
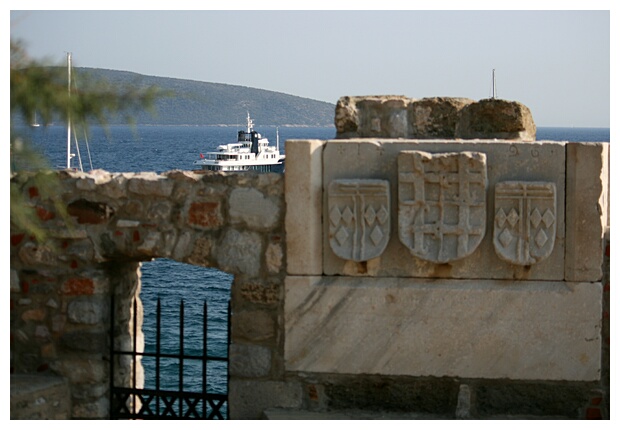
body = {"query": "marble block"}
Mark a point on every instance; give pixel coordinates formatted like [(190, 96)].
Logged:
[(303, 189), (377, 159), (443, 328), (587, 209)]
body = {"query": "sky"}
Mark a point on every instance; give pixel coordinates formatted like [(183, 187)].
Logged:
[(556, 62)]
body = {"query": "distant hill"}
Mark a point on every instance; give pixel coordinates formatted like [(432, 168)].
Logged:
[(205, 103)]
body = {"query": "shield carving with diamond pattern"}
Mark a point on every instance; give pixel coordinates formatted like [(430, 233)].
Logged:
[(359, 218), (525, 221)]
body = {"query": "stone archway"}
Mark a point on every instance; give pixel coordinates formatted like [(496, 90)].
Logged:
[(61, 289)]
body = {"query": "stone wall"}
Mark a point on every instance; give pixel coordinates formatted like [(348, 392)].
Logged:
[(460, 278), (61, 288)]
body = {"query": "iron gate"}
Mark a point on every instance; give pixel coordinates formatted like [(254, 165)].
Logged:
[(145, 403)]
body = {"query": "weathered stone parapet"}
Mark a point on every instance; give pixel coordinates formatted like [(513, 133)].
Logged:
[(480, 233), (452, 276), (433, 118)]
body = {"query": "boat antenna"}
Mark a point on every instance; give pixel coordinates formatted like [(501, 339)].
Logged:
[(250, 123), (494, 88), (277, 140)]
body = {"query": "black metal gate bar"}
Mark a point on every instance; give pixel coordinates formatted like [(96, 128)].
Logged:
[(158, 352), (181, 336), (135, 348), (204, 360), (124, 400)]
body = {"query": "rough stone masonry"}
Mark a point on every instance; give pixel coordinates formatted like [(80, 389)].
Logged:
[(434, 258)]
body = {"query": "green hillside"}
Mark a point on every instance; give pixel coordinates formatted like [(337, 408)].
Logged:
[(205, 103)]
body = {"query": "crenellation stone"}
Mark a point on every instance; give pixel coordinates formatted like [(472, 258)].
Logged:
[(346, 118), (435, 117), (496, 119), (382, 116)]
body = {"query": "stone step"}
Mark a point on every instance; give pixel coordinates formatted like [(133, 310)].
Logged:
[(297, 414), (40, 397), (353, 414)]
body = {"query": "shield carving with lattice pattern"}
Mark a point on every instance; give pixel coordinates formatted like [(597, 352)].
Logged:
[(359, 218), (525, 221), (441, 203)]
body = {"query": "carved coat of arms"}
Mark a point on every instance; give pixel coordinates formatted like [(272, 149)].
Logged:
[(359, 218), (441, 203), (525, 221)]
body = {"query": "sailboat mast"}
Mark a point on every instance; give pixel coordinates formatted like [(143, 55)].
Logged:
[(69, 111), (494, 86)]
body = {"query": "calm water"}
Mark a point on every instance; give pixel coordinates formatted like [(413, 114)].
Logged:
[(160, 149)]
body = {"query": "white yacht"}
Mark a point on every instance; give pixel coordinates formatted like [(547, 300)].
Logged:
[(251, 152)]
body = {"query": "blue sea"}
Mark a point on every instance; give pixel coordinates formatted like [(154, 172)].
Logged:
[(164, 148)]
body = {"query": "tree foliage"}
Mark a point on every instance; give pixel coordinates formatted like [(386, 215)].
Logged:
[(41, 90)]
